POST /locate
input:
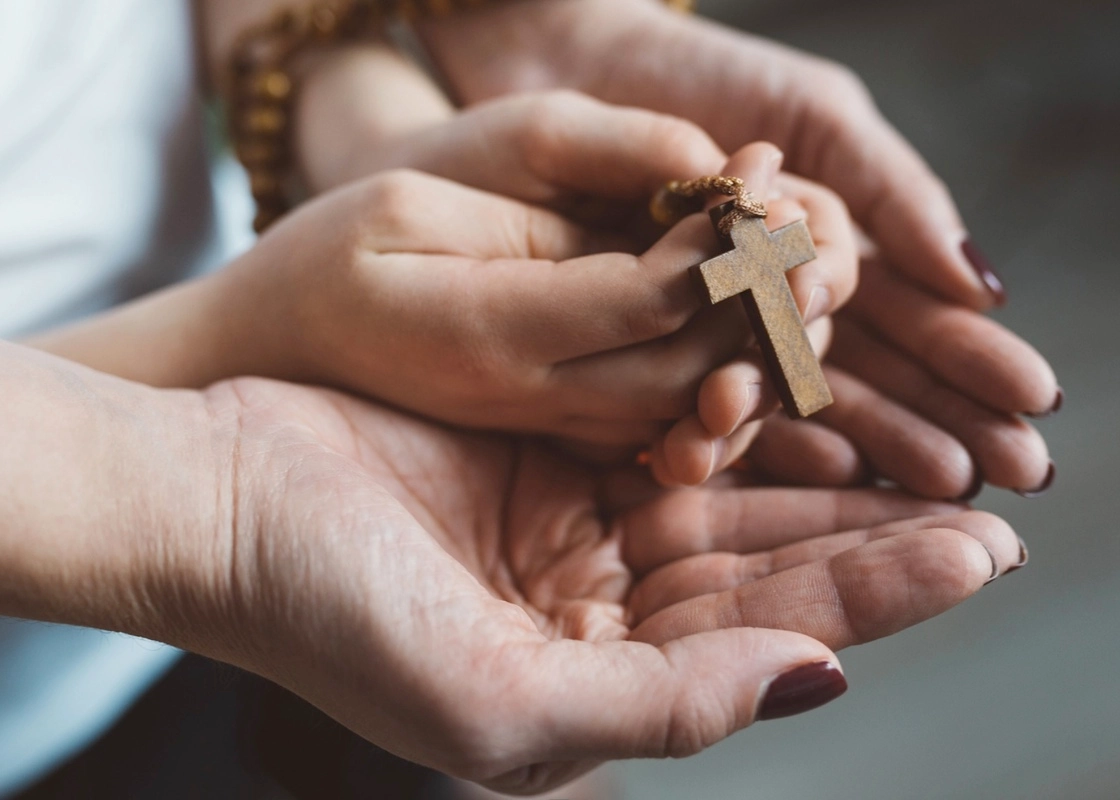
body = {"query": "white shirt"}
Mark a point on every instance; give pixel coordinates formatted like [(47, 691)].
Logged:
[(105, 194)]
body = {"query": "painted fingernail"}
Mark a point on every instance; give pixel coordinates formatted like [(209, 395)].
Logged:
[(995, 566), (1043, 487), (802, 689), (984, 270), (1024, 557), (974, 488), (820, 300), (1059, 400)]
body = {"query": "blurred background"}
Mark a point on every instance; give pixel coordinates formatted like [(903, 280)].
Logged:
[(1015, 694)]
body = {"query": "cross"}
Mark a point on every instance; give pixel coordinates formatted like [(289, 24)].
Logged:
[(755, 271)]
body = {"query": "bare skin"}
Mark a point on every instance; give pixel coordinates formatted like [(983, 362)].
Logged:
[(468, 601)]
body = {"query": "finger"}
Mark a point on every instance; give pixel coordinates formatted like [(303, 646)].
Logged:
[(690, 521), (1008, 451), (856, 596), (741, 390), (411, 212), (541, 146), (710, 573), (975, 355), (668, 701), (845, 143), (825, 284), (658, 379), (738, 391), (901, 446), (690, 455), (544, 312), (805, 453), (602, 302), (757, 164)]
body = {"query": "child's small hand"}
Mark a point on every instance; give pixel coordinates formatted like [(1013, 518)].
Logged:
[(477, 310), (368, 110)]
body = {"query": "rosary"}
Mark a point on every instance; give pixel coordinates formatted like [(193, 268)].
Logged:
[(753, 268)]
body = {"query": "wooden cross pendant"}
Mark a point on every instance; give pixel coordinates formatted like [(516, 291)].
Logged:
[(755, 271)]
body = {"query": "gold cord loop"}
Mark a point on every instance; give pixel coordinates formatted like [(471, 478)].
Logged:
[(678, 199)]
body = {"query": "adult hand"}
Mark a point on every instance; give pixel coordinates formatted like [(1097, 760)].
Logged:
[(928, 395), (470, 602), (738, 88), (474, 602)]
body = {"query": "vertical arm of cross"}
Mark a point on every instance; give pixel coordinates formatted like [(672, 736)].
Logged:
[(755, 271)]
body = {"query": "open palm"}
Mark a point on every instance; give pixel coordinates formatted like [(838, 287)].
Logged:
[(499, 611)]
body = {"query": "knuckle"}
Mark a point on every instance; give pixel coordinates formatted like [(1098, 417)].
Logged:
[(841, 83), (690, 728), (544, 139), (395, 198)]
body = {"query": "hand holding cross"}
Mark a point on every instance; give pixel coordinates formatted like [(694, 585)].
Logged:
[(755, 270)]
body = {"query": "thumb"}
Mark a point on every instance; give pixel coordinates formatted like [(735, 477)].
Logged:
[(633, 700)]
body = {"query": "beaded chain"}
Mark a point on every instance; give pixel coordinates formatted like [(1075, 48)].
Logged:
[(262, 88)]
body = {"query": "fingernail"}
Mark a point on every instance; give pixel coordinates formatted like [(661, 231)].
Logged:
[(995, 565), (984, 270), (774, 165), (1042, 488), (1024, 557), (974, 488), (820, 300), (802, 689), (719, 450), (750, 403), (1059, 400)]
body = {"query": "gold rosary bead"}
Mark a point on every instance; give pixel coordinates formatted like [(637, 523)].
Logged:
[(266, 184), (261, 153), (271, 85), (264, 120), (440, 8)]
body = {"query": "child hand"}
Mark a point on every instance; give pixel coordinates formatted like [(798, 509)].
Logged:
[(483, 311)]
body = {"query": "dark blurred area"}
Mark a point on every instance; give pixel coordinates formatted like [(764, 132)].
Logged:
[(1016, 104)]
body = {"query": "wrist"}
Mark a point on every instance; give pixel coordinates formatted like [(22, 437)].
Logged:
[(117, 516), (357, 108)]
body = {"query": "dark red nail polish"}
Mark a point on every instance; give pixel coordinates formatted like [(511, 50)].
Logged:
[(1030, 494), (1054, 409), (802, 689), (974, 488), (1024, 556), (984, 269)]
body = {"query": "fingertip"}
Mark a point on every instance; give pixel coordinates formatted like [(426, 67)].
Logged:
[(757, 164), (691, 454), (729, 397)]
